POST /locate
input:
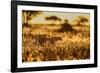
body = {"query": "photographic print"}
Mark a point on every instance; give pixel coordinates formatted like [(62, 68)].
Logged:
[(49, 36), (54, 36)]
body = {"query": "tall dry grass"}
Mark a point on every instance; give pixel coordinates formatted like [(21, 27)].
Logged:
[(44, 43)]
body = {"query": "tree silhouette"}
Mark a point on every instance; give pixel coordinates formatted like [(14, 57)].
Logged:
[(53, 18), (66, 27), (81, 20), (28, 15)]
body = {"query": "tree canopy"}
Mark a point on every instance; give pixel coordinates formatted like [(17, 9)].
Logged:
[(53, 18), (81, 20)]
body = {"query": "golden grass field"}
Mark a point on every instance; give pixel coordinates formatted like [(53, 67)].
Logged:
[(46, 43)]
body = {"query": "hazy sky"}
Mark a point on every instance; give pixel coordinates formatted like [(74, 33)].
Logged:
[(62, 15)]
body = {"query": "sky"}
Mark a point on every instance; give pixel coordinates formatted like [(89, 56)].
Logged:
[(40, 19)]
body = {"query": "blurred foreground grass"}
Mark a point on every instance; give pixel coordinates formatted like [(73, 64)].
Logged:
[(45, 43)]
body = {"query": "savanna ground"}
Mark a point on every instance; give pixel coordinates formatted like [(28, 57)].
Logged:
[(53, 43)]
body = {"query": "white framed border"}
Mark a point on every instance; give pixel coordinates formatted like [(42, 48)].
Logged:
[(52, 63)]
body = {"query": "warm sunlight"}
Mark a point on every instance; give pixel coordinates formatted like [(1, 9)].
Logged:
[(55, 36)]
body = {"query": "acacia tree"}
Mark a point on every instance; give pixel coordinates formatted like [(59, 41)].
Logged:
[(28, 15), (66, 26), (81, 20), (53, 18)]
